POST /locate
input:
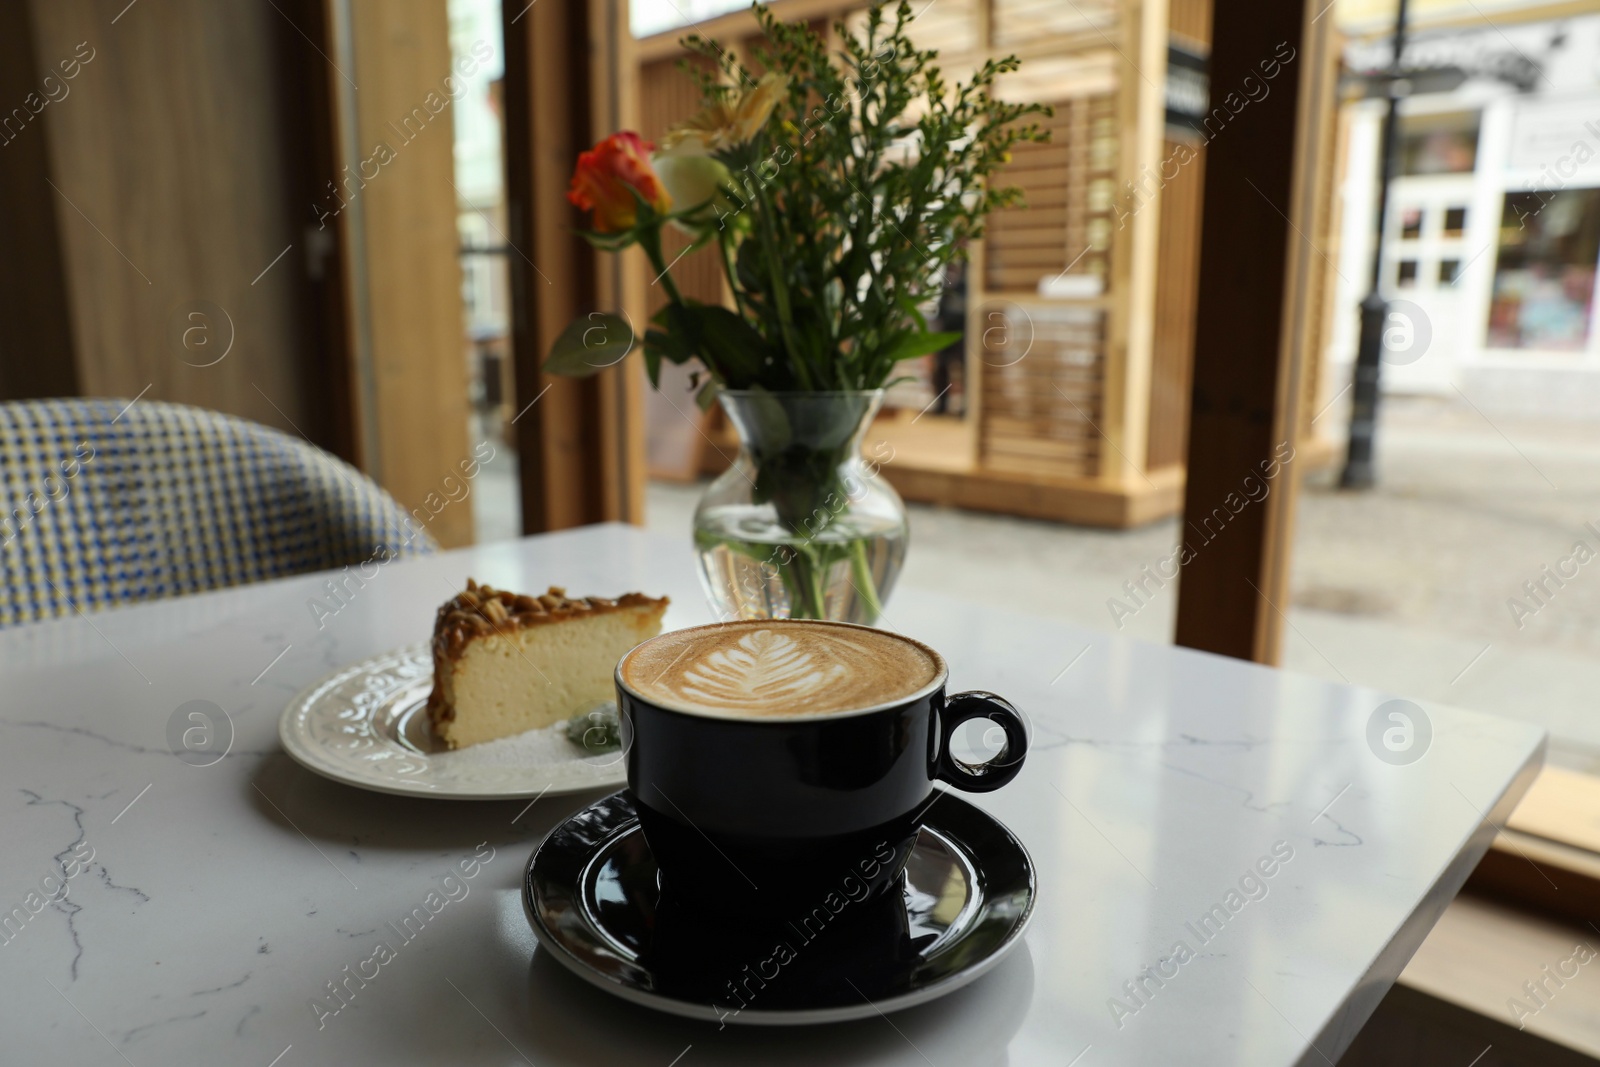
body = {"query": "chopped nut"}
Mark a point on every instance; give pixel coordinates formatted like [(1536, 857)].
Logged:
[(481, 610)]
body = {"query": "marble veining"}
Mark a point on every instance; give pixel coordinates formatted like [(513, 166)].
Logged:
[(212, 904), (1351, 838)]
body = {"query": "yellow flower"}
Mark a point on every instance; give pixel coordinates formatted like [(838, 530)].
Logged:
[(726, 123)]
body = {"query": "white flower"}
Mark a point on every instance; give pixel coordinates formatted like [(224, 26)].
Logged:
[(692, 177)]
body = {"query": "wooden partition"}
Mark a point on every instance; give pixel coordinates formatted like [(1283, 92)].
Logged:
[(155, 182), (210, 212), (1041, 361), (1177, 262), (405, 270), (1177, 267), (285, 172), (581, 441)]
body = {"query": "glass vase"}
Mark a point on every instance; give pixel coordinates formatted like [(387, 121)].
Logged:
[(801, 526)]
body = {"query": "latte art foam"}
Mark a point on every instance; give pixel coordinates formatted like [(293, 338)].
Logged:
[(759, 669)]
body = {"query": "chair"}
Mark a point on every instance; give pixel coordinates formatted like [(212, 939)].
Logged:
[(104, 503)]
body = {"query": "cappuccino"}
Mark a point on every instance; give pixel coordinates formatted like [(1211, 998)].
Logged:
[(778, 668)]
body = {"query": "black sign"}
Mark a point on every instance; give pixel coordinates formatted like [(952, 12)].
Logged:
[(1188, 95)]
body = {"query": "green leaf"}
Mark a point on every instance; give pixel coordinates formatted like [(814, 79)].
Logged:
[(919, 344), (610, 242), (645, 211), (909, 306), (749, 269), (669, 345), (708, 394), (680, 327), (734, 346), (652, 360), (589, 345)]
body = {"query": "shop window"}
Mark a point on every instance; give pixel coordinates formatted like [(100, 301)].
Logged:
[(1444, 143), (1544, 273)]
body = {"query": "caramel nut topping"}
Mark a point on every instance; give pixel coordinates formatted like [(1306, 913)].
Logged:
[(482, 609)]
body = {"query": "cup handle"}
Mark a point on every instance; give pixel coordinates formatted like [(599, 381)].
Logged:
[(999, 768)]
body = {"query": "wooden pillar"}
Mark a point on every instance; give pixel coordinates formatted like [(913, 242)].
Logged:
[(579, 440), (396, 203), (310, 90), (1135, 241), (615, 89), (1253, 298)]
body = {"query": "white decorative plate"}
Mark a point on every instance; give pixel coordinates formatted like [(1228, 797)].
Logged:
[(367, 726)]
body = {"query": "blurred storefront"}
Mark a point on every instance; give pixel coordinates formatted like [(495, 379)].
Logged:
[(1493, 233)]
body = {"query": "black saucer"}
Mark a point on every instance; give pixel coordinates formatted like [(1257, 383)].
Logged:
[(591, 894)]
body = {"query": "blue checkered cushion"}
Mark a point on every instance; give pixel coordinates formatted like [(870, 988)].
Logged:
[(102, 504)]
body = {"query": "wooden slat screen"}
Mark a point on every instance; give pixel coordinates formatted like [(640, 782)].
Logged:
[(1018, 22), (1068, 187), (1042, 389), (949, 27), (667, 95), (1178, 261)]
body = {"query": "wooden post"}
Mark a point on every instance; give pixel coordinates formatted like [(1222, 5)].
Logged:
[(1253, 296), (625, 458), (1130, 340), (581, 452), (398, 179)]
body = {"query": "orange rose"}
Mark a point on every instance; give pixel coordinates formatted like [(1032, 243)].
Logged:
[(606, 173)]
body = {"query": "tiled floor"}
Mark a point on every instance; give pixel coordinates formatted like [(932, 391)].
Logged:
[(1404, 588)]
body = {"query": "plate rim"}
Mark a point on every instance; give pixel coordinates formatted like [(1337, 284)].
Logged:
[(313, 759), (768, 1016)]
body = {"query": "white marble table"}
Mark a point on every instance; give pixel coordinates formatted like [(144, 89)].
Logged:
[(211, 905)]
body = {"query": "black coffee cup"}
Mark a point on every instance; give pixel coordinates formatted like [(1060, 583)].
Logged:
[(777, 810)]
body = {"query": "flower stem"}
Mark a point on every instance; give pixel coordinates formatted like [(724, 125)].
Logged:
[(780, 284), (861, 577), (650, 241), (812, 575), (799, 578), (727, 271)]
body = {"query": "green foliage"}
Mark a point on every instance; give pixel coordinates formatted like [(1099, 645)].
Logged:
[(843, 209), (589, 345)]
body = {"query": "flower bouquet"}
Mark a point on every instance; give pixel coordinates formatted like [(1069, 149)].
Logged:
[(836, 190)]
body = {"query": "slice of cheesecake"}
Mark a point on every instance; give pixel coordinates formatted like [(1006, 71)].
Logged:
[(505, 663)]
